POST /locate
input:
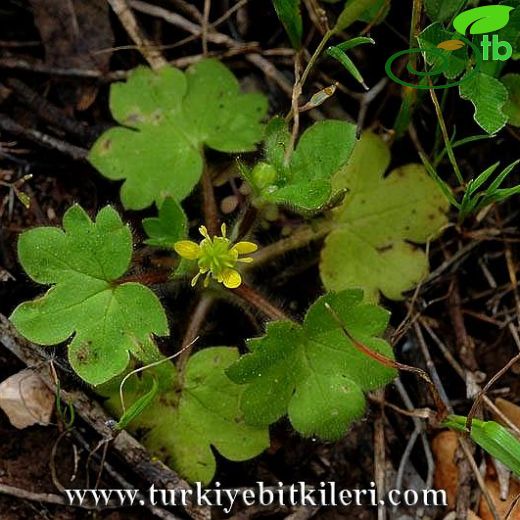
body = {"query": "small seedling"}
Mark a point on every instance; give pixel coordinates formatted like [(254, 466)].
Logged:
[(476, 197)]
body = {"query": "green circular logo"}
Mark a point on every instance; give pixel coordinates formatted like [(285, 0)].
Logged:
[(439, 68)]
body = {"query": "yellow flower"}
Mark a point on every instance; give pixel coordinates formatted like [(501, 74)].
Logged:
[(216, 257)]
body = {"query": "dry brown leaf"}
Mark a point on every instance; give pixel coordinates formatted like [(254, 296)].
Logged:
[(444, 447), (453, 516), (75, 34), (510, 410), (502, 506), (26, 400)]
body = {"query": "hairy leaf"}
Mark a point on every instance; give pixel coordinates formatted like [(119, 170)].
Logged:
[(372, 245), (512, 106), (108, 320), (305, 182), (312, 372), (511, 32), (167, 116), (189, 418), (442, 10), (488, 96), (168, 227)]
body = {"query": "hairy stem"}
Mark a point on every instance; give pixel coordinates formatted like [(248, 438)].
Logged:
[(150, 278), (197, 318), (300, 238), (260, 302), (209, 204), (319, 49)]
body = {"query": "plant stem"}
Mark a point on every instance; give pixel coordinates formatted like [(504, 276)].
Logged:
[(319, 49), (151, 278), (209, 205), (295, 111), (446, 138), (257, 300), (300, 238), (404, 117), (197, 318), (415, 22)]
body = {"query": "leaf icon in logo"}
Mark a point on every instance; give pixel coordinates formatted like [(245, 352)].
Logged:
[(483, 19)]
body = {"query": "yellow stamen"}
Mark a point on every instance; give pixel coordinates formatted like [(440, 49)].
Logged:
[(203, 230)]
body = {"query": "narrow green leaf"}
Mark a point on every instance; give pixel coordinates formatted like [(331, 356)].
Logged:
[(338, 52), (501, 177), (475, 184), (376, 13), (492, 438), (354, 42), (353, 11), (460, 142), (445, 188), (138, 406), (288, 12)]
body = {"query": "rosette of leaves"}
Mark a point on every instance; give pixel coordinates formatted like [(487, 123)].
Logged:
[(301, 180), (373, 242), (107, 318), (167, 117), (312, 372), (192, 414)]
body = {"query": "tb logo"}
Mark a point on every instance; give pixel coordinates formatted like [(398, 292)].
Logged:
[(481, 20)]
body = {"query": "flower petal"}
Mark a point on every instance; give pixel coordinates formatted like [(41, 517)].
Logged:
[(223, 230), (246, 260), (187, 249), (231, 278), (244, 248)]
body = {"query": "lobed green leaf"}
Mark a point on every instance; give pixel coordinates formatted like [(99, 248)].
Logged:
[(312, 372), (305, 182), (166, 118), (188, 418), (488, 96), (376, 229), (108, 320), (168, 227)]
